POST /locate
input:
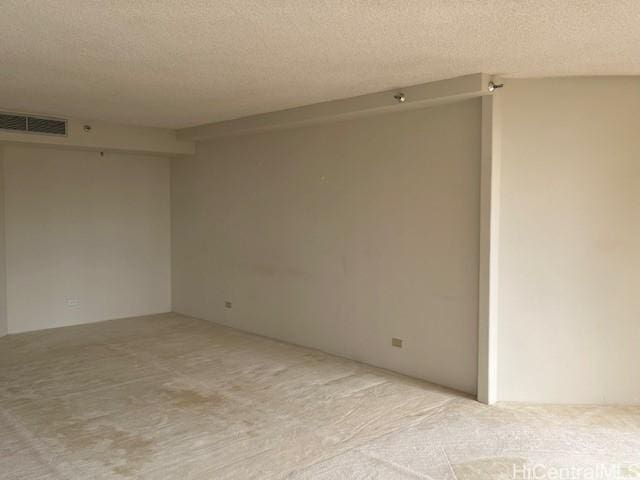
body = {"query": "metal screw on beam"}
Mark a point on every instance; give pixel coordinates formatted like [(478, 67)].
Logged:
[(493, 86), (400, 97)]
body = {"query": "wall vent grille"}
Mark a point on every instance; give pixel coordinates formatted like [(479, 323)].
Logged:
[(15, 122)]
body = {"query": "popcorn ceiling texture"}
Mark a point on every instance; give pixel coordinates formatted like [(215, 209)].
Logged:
[(183, 63), (167, 396)]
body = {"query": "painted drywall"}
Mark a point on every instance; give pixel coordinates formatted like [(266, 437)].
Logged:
[(398, 99), (105, 136), (569, 297), (340, 237), (87, 229), (3, 271)]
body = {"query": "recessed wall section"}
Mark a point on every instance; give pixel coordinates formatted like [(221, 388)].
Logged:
[(87, 236), (340, 236)]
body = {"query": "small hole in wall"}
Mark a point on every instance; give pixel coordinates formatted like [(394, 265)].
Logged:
[(102, 154)]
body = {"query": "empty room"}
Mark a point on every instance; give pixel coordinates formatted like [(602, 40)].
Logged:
[(336, 239)]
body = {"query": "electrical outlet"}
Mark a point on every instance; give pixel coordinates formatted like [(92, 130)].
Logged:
[(227, 305), (396, 342), (73, 302)]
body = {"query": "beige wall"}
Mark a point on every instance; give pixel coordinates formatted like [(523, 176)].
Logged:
[(569, 328), (86, 228), (339, 237), (3, 271)]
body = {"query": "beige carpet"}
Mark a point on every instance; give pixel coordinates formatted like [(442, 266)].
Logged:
[(169, 396)]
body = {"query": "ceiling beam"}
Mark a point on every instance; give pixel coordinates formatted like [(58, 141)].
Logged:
[(104, 136), (416, 96)]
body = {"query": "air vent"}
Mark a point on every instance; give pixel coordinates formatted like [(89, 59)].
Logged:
[(30, 124), (13, 122), (46, 125)]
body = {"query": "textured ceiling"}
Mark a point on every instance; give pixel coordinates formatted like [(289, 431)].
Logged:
[(182, 63)]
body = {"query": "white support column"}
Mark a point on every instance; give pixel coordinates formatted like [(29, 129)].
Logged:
[(4, 324), (489, 242)]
